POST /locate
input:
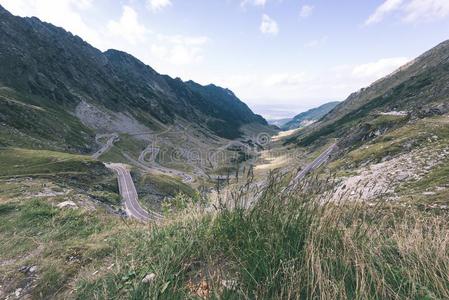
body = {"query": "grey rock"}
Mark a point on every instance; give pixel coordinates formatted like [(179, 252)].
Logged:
[(67, 204), (402, 176), (149, 278), (33, 269), (18, 292), (229, 284), (428, 193)]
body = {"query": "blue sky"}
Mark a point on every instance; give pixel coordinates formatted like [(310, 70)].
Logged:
[(279, 56)]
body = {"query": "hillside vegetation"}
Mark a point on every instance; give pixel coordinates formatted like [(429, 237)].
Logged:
[(418, 90), (112, 91), (33, 122), (308, 117), (286, 246), (369, 222)]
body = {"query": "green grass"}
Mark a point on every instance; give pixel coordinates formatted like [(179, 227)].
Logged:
[(165, 185), (437, 177), (35, 232), (26, 162), (169, 157), (410, 95), (288, 246), (285, 247), (436, 182), (397, 141), (56, 170), (34, 122), (126, 144)]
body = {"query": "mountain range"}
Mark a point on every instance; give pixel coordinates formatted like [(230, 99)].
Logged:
[(57, 91), (309, 117), (417, 90), (117, 182)]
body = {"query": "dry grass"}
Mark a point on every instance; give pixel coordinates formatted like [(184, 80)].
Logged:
[(288, 245)]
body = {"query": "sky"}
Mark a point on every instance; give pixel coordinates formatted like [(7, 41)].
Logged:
[(281, 57)]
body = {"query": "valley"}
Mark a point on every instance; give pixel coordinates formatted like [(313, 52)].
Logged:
[(117, 182)]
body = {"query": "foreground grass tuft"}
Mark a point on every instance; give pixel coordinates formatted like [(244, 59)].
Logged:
[(286, 247)]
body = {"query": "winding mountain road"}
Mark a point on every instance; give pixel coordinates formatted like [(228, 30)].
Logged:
[(113, 137), (129, 194), (151, 163), (320, 160)]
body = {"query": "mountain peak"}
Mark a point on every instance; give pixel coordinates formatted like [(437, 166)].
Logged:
[(65, 71), (122, 56)]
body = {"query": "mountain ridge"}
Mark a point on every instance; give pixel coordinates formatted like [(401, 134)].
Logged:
[(418, 88), (311, 115), (56, 69)]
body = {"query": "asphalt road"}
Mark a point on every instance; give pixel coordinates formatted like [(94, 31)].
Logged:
[(153, 151), (320, 160), (112, 138), (129, 195)]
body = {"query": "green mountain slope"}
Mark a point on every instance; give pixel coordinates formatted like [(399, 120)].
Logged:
[(33, 122), (310, 116), (47, 67), (417, 90)]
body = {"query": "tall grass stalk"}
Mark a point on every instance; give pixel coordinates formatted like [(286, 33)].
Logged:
[(286, 245)]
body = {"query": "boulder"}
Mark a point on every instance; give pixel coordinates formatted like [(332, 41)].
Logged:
[(149, 278), (67, 204)]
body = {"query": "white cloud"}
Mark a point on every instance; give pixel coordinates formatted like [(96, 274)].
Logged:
[(306, 11), (379, 68), (385, 8), (257, 84), (179, 50), (285, 79), (157, 5), (135, 38), (411, 10), (84, 4), (333, 83), (63, 13), (316, 43), (183, 55), (128, 26), (426, 10), (269, 26), (253, 2), (126, 33), (186, 40)]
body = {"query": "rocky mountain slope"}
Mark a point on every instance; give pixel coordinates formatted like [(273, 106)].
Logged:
[(311, 116), (57, 91), (63, 234), (392, 137), (417, 90), (279, 122)]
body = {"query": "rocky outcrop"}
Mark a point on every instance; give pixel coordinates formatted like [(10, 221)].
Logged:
[(420, 88), (51, 68)]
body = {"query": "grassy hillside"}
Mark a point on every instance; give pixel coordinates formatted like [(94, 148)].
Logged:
[(55, 69), (371, 224), (284, 247), (65, 172), (309, 116), (418, 90), (33, 122), (289, 245), (25, 162)]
